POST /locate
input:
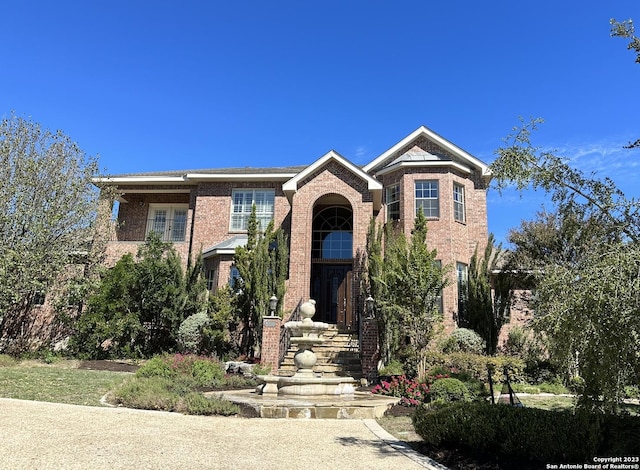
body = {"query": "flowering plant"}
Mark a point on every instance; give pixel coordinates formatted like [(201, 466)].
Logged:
[(410, 391)]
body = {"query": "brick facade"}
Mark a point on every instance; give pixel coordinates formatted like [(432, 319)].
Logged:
[(330, 181)]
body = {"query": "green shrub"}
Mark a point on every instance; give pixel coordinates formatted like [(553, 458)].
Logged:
[(148, 393), (464, 340), (528, 433), (475, 366), (260, 369), (234, 381), (449, 390), (393, 368), (157, 366), (207, 373), (198, 404), (191, 337)]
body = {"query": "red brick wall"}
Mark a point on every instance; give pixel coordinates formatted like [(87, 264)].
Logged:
[(453, 240), (330, 180)]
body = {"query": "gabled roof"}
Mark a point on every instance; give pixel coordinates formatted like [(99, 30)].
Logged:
[(391, 159), (291, 186)]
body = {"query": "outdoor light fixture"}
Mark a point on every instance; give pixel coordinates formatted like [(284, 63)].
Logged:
[(369, 306), (273, 303)]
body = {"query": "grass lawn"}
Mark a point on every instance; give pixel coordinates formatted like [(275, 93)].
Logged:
[(60, 382)]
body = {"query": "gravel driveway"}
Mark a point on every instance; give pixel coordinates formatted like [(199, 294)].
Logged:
[(36, 435)]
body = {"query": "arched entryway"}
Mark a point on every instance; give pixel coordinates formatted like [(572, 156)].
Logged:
[(332, 261)]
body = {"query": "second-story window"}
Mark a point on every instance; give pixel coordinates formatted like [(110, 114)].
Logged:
[(458, 202), (168, 221), (393, 202), (243, 200), (427, 198)]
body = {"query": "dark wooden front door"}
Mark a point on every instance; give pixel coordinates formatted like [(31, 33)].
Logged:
[(331, 287)]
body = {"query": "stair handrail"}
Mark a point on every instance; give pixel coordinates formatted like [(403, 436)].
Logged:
[(285, 333)]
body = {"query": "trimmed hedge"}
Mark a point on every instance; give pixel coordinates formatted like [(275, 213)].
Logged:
[(528, 433), (449, 389), (476, 365)]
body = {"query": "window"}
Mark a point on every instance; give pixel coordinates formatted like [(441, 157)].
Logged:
[(393, 202), (332, 236), (427, 198), (212, 277), (462, 278), (234, 276), (243, 200), (458, 202), (169, 222)]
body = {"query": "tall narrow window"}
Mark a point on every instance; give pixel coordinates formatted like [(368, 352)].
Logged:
[(458, 203), (243, 200), (463, 293), (393, 202), (427, 198), (169, 222)]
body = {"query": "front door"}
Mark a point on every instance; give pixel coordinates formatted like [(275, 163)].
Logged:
[(332, 289)]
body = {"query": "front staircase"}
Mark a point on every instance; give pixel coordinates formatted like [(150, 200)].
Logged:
[(338, 356)]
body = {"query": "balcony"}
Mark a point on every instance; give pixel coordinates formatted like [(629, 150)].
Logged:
[(170, 230)]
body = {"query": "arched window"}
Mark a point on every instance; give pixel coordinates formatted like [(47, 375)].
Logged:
[(333, 234)]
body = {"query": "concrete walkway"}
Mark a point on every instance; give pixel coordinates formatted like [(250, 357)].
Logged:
[(36, 435)]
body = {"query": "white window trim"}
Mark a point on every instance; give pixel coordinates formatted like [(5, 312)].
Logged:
[(261, 216), (462, 204), (168, 229), (437, 199), (389, 201)]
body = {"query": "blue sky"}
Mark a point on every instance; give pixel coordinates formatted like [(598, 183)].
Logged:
[(158, 85)]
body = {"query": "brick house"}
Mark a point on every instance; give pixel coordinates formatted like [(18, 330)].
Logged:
[(325, 209)]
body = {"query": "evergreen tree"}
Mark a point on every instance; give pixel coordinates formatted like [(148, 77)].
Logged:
[(486, 313), (408, 282), (262, 266)]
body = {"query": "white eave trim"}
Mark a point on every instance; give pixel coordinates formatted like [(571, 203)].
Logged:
[(239, 176), (142, 180), (291, 186), (444, 143), (422, 164), (218, 252)]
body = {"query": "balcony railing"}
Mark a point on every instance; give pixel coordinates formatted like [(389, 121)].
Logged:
[(169, 230)]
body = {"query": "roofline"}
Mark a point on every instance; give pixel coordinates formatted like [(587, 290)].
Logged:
[(423, 130), (291, 186), (191, 178), (239, 176)]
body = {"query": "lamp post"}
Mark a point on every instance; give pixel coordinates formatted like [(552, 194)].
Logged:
[(369, 305), (273, 304)]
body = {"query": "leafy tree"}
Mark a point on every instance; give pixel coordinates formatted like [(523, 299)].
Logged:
[(47, 212), (262, 264), (625, 29), (486, 311), (140, 304), (407, 281), (587, 288)]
